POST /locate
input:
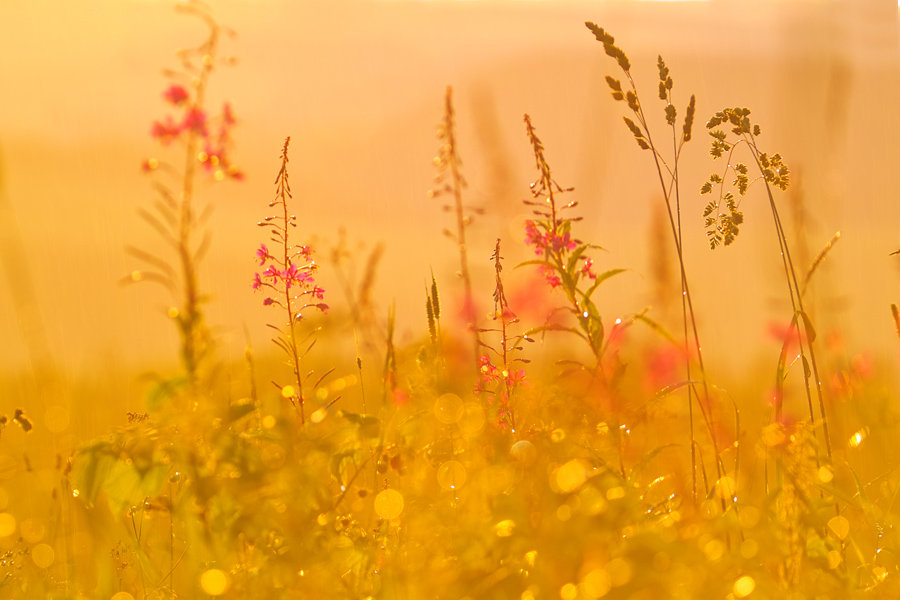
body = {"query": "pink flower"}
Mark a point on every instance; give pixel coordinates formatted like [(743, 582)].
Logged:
[(228, 114), (588, 268), (272, 272), (550, 275), (195, 121), (305, 252), (534, 237), (263, 254), (517, 377), (294, 275), (268, 301), (317, 293), (175, 95), (167, 131), (563, 241), (257, 282)]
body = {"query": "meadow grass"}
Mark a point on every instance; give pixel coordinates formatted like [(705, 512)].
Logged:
[(484, 463)]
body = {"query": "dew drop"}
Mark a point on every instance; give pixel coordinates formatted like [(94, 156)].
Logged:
[(448, 408), (451, 475), (744, 586), (214, 582), (389, 504)]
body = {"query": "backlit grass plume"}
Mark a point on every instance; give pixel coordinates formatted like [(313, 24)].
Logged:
[(667, 172), (288, 279), (723, 219)]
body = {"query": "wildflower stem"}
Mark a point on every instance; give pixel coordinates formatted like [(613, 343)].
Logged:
[(687, 304), (193, 330), (452, 158), (284, 192)]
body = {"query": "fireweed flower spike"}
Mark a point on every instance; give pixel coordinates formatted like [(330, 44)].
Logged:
[(288, 279), (499, 383), (563, 261), (175, 216)]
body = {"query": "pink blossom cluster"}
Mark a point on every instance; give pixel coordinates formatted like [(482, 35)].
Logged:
[(495, 381), (214, 156), (290, 276), (554, 245), (547, 241)]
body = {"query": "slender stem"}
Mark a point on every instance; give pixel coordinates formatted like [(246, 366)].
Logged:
[(284, 192), (193, 330), (686, 295), (469, 313), (796, 304)]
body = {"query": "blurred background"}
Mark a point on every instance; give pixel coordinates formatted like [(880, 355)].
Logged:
[(359, 85)]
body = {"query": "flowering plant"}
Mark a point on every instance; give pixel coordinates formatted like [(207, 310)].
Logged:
[(289, 279), (563, 261)]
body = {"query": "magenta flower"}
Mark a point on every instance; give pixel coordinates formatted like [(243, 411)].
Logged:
[(550, 275), (175, 95), (517, 377), (165, 132), (195, 121), (228, 114), (263, 254), (317, 293), (257, 281), (305, 252), (268, 301), (563, 241), (588, 268), (534, 237), (292, 275), (272, 272)]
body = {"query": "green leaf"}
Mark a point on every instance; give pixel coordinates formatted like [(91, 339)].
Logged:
[(125, 487), (240, 409), (807, 324), (556, 327), (782, 359), (573, 259), (646, 459), (369, 426), (164, 390), (541, 263), (600, 279), (340, 465), (91, 468), (659, 329)]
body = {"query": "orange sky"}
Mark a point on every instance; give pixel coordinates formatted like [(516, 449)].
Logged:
[(359, 86)]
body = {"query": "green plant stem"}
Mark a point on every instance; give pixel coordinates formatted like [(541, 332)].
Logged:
[(686, 297), (461, 231), (283, 195), (193, 331), (796, 304)]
